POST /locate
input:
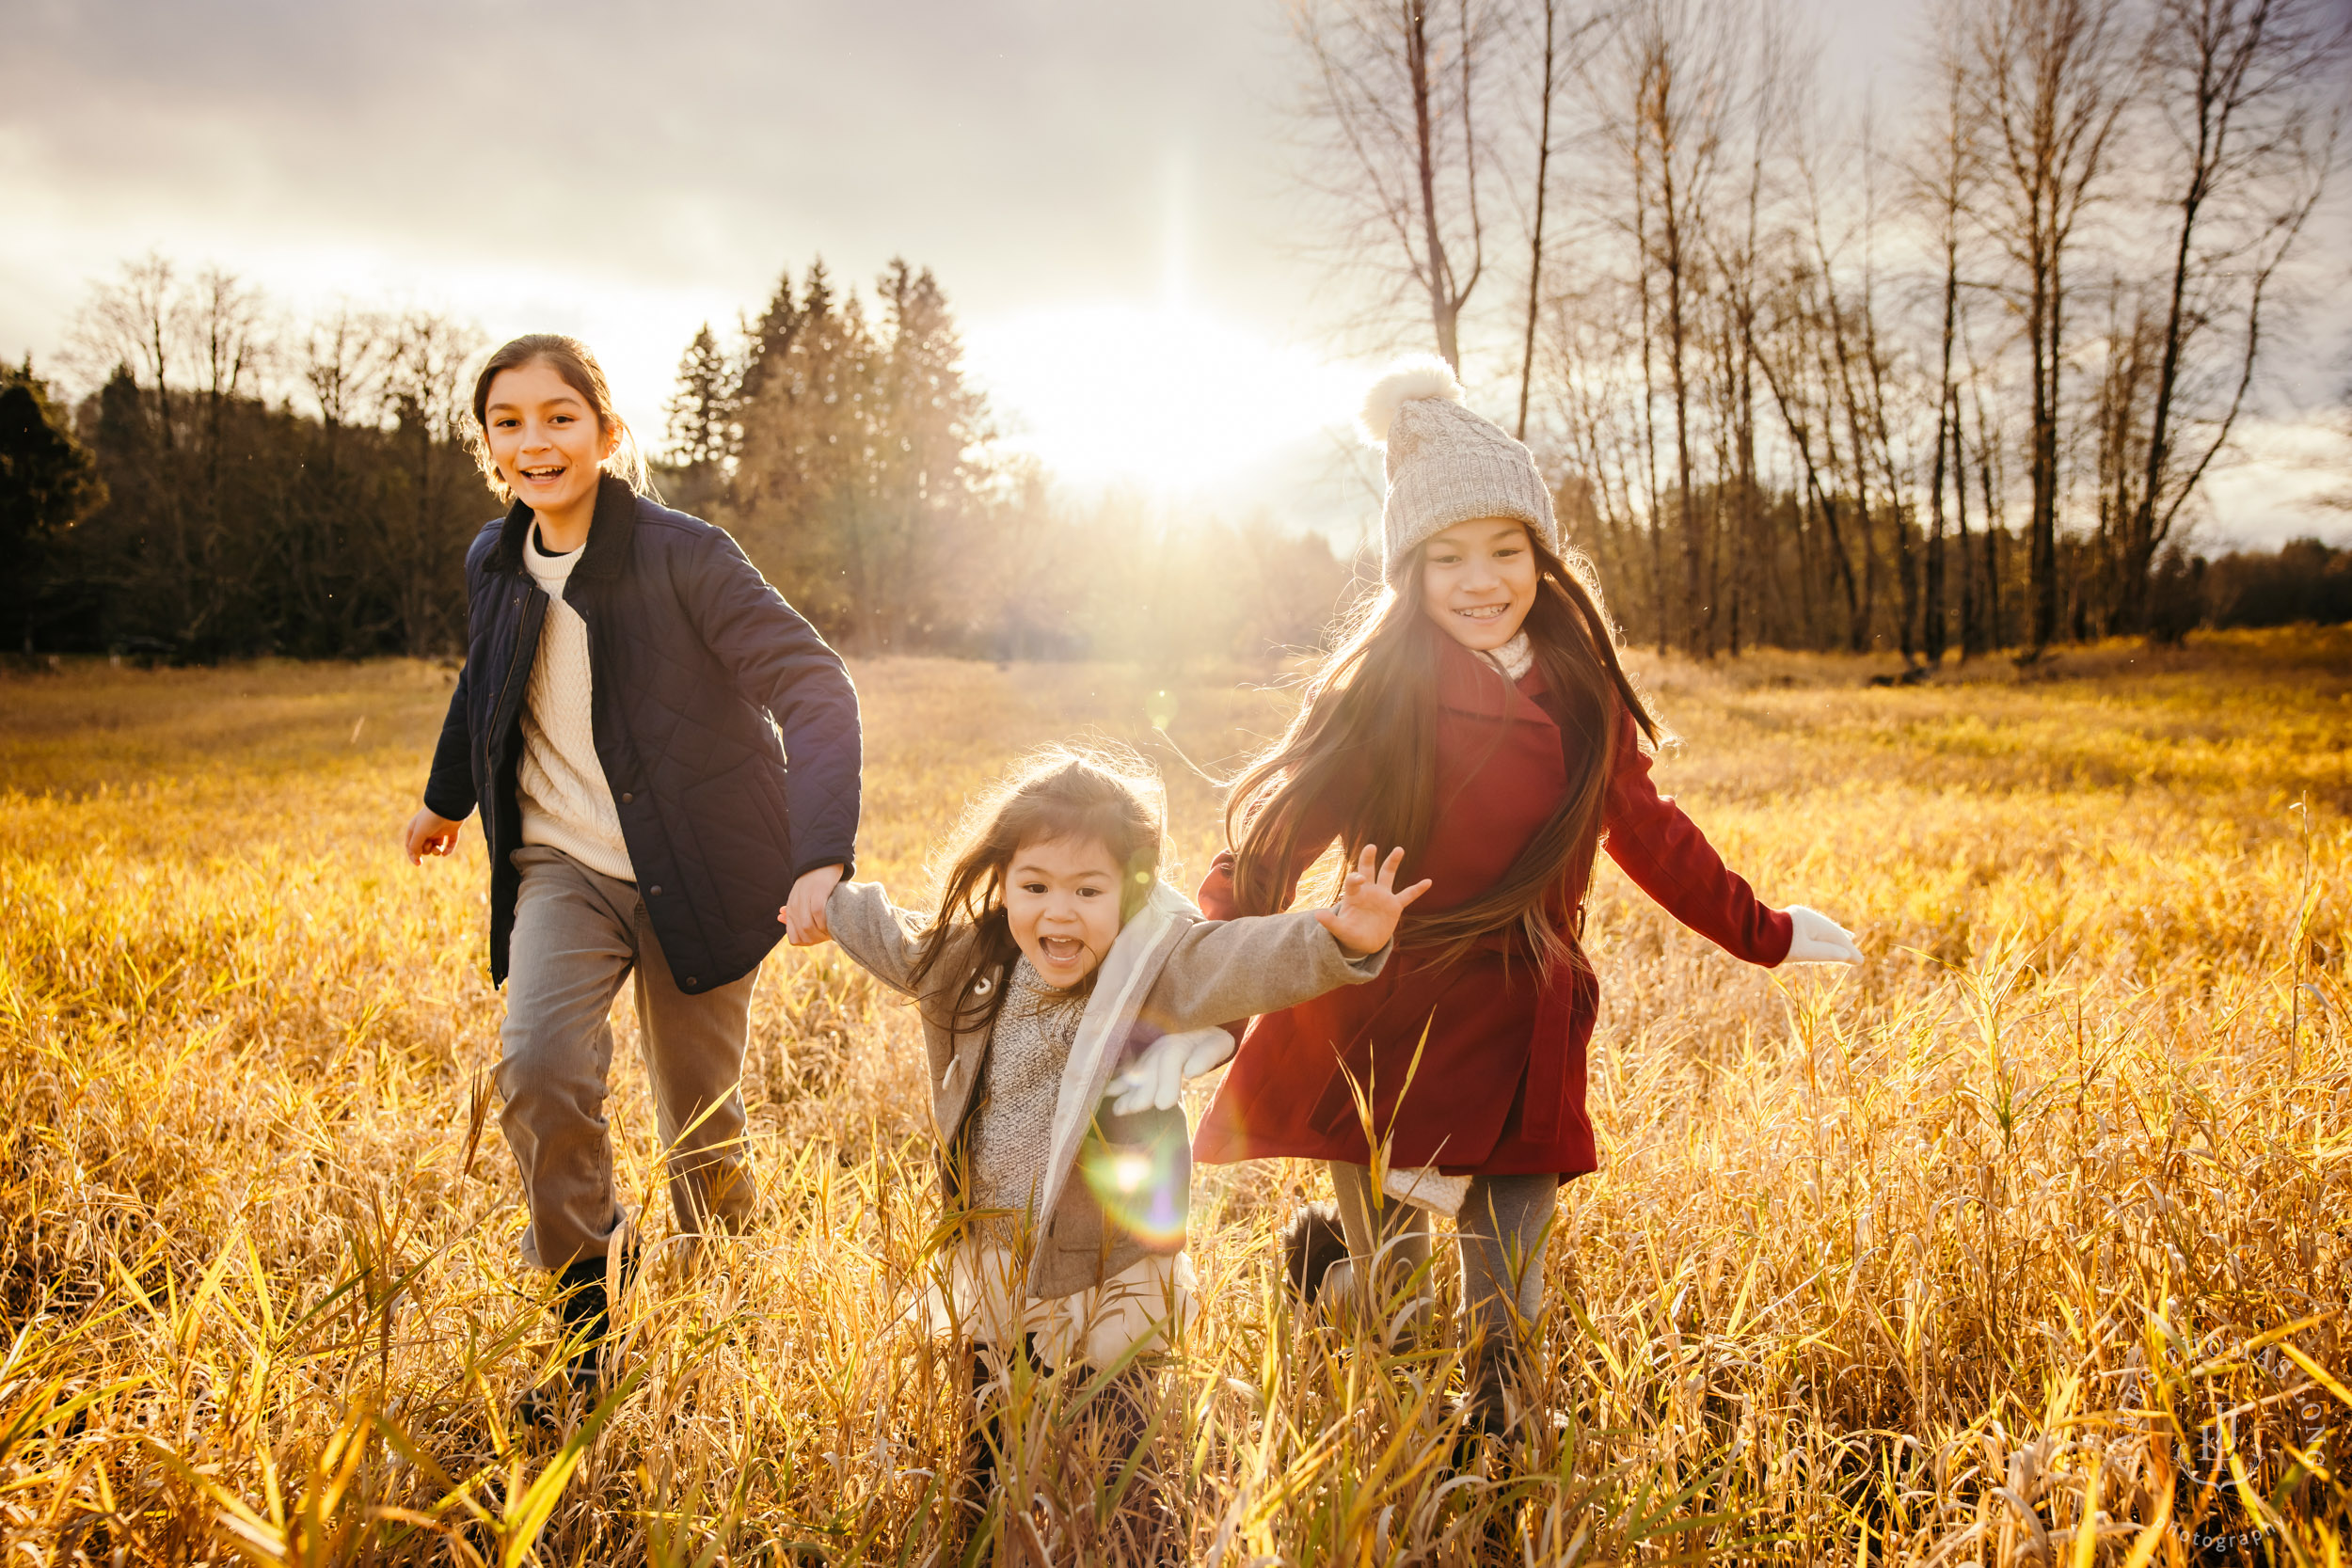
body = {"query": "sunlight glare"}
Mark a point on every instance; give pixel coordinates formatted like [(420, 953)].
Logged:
[(1172, 398)]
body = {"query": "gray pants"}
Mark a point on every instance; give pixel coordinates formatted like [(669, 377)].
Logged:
[(1501, 1230), (578, 935)]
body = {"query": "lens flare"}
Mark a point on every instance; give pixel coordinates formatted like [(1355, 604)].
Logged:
[(1139, 1169)]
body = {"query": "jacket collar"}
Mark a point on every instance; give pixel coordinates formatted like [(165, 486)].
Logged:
[(610, 532), (1468, 683)]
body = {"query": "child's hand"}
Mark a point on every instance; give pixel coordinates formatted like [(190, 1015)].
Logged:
[(803, 917), (1819, 940), (1370, 903), (429, 834), (1156, 1080)]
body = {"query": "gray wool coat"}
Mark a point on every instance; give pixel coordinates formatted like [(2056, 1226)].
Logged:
[(1171, 969)]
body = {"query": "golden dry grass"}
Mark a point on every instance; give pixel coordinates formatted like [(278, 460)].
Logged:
[(2040, 1219)]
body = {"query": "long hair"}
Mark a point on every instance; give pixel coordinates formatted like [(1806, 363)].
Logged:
[(1367, 734), (569, 358), (1097, 794)]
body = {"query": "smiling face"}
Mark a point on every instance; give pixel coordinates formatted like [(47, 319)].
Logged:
[(1478, 582), (544, 436), (1061, 899)]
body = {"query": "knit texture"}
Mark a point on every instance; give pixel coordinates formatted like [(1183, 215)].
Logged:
[(1446, 464), (1514, 659), (1012, 1126), (566, 801)]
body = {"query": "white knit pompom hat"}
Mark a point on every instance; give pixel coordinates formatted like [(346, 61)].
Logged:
[(1445, 464)]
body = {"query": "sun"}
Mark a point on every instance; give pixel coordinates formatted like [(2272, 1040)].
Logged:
[(1169, 399)]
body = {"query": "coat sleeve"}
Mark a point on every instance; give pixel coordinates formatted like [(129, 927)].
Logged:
[(884, 939), (1658, 845), (448, 789), (1222, 970), (781, 663)]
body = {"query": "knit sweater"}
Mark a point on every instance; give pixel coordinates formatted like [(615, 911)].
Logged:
[(1012, 1124), (566, 801)]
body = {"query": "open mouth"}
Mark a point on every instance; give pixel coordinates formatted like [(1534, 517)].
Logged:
[(1061, 950), (1483, 611), (542, 474)]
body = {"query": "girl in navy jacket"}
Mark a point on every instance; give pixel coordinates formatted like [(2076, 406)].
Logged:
[(632, 695)]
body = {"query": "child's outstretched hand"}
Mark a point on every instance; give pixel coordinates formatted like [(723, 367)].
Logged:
[(1370, 903), (1815, 939)]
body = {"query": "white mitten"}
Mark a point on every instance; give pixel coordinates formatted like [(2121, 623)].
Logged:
[(1819, 940), (1155, 1078)]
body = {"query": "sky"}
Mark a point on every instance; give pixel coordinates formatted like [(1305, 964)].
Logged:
[(1103, 189)]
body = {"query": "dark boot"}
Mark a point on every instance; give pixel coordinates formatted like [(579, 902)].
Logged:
[(1488, 1406), (585, 1308), (983, 1447), (1145, 1529), (1311, 1242)]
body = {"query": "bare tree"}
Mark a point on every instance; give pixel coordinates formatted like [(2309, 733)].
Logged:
[(136, 322), (1558, 36), (344, 357), (2243, 86), (1736, 254), (2050, 80), (424, 388), (1395, 105), (1943, 181), (1679, 71)]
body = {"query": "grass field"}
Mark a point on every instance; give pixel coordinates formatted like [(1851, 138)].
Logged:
[(2031, 1242)]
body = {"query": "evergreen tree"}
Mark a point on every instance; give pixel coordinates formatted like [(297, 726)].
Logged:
[(931, 422), (700, 439), (771, 341), (48, 483)]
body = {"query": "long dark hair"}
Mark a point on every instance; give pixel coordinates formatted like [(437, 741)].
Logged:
[(1109, 797), (1367, 734)]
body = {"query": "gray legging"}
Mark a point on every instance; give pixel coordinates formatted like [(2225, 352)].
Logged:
[(1501, 1229)]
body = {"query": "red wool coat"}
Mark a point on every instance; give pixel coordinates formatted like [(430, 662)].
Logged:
[(1500, 1087)]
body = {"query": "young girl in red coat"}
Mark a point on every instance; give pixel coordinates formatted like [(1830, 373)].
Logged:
[(1478, 715)]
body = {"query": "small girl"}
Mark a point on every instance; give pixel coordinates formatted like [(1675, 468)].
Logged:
[(1065, 993), (1477, 716)]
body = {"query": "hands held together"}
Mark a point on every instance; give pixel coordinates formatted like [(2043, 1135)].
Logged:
[(804, 912)]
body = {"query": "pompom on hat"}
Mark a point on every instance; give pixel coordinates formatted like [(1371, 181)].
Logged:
[(1445, 464)]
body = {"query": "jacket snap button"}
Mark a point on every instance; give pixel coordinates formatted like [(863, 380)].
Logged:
[(655, 890), (627, 798), (691, 982)]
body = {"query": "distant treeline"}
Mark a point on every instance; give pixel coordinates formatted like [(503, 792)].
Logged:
[(233, 485)]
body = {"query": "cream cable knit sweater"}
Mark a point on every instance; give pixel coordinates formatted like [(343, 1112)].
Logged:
[(567, 804)]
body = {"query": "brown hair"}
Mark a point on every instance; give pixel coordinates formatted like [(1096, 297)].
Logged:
[(569, 358), (1109, 797), (1366, 735)]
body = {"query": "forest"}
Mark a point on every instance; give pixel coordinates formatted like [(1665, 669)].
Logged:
[(1939, 361)]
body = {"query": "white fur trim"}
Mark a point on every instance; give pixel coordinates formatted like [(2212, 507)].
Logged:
[(1416, 375)]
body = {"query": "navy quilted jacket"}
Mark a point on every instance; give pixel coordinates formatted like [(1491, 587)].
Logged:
[(696, 665)]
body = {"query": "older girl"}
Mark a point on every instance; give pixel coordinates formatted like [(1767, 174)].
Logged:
[(633, 690), (1065, 992), (1477, 716)]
